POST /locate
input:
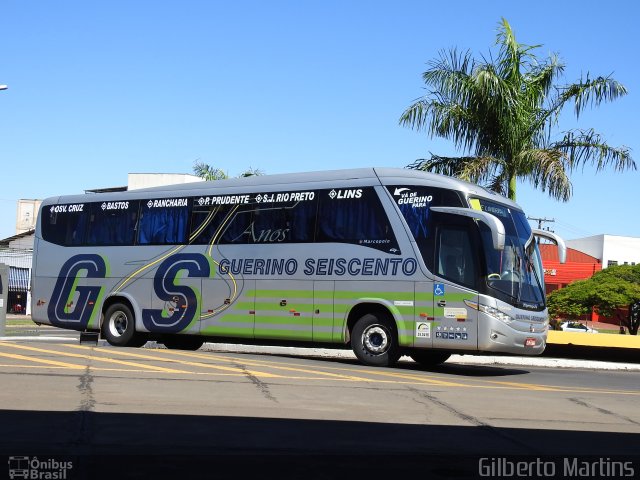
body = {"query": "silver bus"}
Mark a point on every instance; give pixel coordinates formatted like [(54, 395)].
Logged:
[(388, 262)]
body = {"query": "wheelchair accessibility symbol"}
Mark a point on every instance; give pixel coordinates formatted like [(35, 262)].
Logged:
[(438, 289)]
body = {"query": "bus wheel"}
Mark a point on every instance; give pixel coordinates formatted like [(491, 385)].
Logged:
[(430, 359), (119, 327), (373, 340), (183, 342)]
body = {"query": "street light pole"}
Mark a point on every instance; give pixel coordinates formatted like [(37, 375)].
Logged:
[(3, 87)]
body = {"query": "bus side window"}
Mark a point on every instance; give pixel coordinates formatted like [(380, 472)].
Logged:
[(289, 222), (65, 228), (208, 224), (455, 260), (359, 220), (163, 226), (112, 226)]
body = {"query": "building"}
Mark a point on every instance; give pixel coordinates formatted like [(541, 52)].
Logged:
[(137, 181), (26, 215), (17, 251), (586, 256), (579, 266), (609, 249)]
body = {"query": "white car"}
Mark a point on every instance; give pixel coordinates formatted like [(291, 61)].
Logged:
[(576, 327)]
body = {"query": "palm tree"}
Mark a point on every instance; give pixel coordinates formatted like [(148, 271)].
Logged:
[(251, 172), (502, 113), (207, 172)]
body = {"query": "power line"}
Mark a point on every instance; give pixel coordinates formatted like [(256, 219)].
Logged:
[(541, 221)]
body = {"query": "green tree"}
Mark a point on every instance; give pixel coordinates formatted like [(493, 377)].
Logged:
[(501, 113), (608, 291), (571, 301), (208, 172)]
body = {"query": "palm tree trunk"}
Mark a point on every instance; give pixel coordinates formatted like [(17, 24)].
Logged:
[(512, 188)]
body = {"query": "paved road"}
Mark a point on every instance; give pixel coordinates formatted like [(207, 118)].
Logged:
[(62, 398)]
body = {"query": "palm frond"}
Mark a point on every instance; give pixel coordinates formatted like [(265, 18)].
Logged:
[(547, 170), (502, 113), (450, 166), (587, 146), (251, 172), (499, 183), (471, 169), (590, 92), (448, 77), (207, 172)]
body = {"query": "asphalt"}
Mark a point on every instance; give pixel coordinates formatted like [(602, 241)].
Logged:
[(595, 361), (567, 355)]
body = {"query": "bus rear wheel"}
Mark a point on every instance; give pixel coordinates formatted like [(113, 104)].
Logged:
[(183, 342), (430, 359), (374, 340), (119, 327)]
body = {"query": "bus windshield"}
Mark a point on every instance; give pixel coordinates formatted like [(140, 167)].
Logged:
[(514, 274)]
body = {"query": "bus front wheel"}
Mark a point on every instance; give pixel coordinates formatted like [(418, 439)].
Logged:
[(374, 340), (119, 327)]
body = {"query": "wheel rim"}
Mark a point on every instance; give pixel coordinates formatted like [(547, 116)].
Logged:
[(118, 324), (376, 339)]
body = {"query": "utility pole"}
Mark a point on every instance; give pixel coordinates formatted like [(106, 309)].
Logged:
[(541, 221)]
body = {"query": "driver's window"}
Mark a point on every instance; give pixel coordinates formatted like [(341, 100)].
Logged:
[(455, 260)]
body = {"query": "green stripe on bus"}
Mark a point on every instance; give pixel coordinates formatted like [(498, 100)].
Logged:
[(94, 320), (275, 307), (322, 336), (264, 319), (452, 297), (328, 294), (227, 330), (284, 334), (281, 293), (323, 322), (345, 295)]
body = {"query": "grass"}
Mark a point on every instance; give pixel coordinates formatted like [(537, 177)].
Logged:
[(20, 322)]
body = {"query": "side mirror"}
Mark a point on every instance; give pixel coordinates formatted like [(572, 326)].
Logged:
[(562, 248), (491, 221)]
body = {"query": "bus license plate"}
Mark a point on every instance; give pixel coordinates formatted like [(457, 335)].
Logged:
[(530, 342)]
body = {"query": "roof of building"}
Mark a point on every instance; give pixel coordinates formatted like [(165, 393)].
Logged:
[(106, 190), (549, 253), (6, 241)]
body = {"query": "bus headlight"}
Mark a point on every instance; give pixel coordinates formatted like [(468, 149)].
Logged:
[(491, 311)]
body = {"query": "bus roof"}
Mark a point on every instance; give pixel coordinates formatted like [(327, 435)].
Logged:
[(295, 181)]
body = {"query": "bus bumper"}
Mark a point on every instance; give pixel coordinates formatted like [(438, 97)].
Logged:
[(517, 338)]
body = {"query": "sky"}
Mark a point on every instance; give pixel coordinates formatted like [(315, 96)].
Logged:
[(101, 89)]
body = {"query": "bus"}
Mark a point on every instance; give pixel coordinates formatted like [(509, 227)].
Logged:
[(387, 262)]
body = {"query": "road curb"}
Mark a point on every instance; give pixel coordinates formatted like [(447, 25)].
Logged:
[(481, 360)]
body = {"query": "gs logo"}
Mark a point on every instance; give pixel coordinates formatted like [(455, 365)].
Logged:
[(183, 298), (73, 305)]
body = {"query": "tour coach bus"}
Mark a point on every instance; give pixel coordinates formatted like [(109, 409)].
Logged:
[(387, 261)]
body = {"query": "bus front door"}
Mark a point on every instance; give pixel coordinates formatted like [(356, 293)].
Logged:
[(456, 266), (455, 323)]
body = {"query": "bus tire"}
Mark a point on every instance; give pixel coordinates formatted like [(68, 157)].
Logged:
[(183, 342), (374, 340), (119, 327), (430, 359)]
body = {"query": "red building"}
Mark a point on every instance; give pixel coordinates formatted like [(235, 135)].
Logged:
[(579, 266)]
